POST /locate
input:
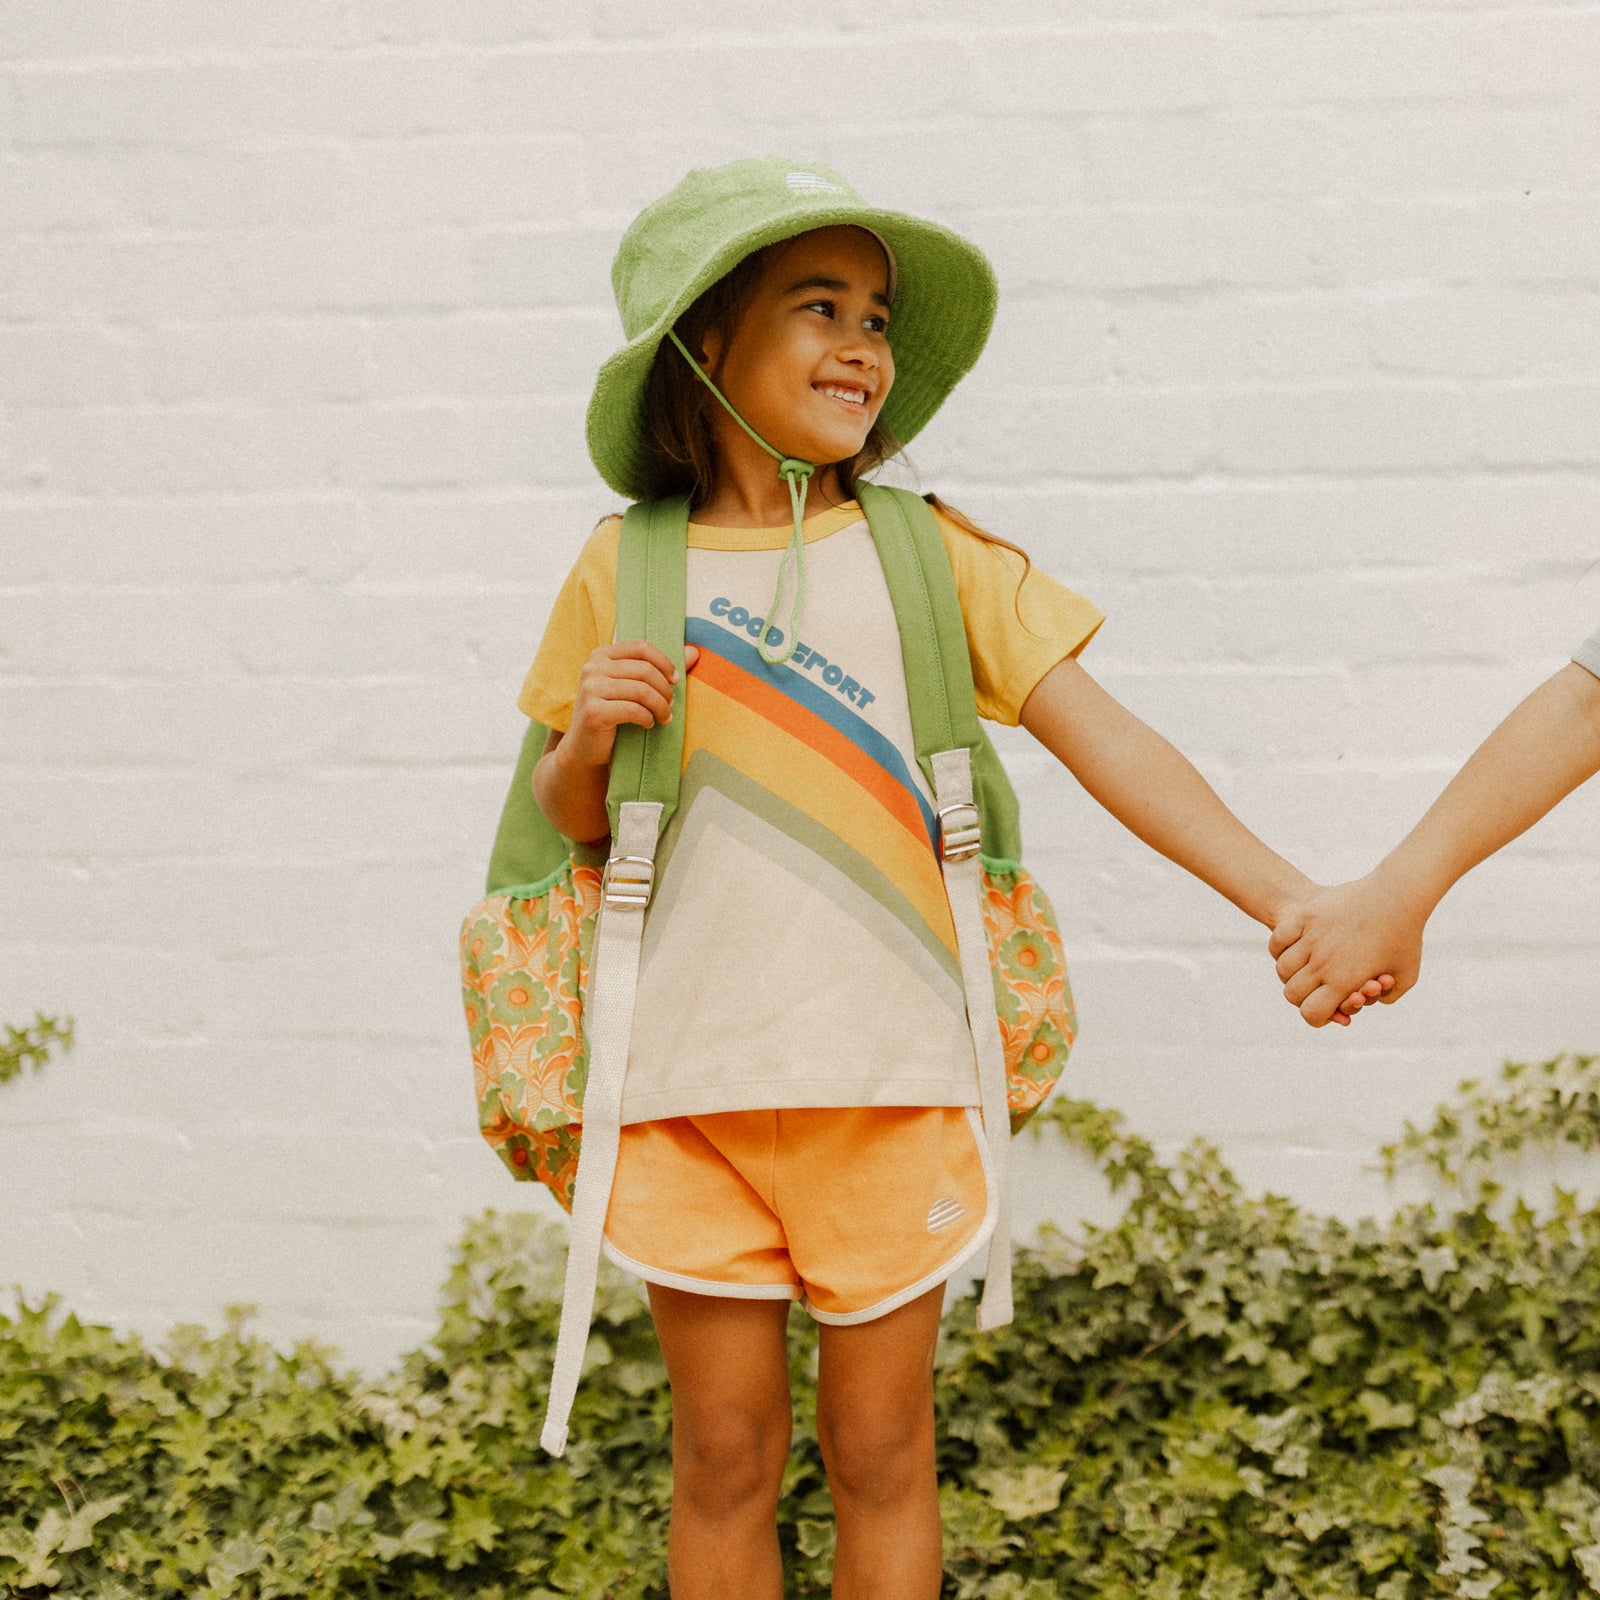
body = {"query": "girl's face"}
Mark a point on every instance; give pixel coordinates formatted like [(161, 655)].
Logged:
[(807, 360)]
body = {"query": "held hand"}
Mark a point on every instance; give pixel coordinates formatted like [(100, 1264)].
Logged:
[(1328, 945), (630, 681), (1372, 989)]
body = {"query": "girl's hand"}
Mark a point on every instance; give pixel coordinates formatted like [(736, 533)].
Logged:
[(630, 681), (627, 682), (1327, 944), (1372, 989)]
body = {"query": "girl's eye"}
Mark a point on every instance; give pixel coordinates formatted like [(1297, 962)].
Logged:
[(829, 308)]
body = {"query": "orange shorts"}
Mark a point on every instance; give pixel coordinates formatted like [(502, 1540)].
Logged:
[(853, 1210)]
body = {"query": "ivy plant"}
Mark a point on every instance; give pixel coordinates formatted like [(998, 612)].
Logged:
[(1219, 1396), (33, 1045)]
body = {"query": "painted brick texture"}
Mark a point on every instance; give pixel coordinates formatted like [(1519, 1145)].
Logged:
[(1297, 373)]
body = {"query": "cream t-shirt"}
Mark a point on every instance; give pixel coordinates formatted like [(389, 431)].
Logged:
[(799, 950)]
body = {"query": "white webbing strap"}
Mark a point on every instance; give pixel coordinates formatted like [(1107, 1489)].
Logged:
[(963, 884), (608, 1020)]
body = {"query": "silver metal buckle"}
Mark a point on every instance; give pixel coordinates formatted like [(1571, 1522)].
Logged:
[(627, 883), (960, 831)]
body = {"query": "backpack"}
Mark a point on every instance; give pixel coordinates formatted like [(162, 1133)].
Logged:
[(550, 955)]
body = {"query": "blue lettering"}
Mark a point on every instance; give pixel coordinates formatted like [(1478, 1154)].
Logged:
[(808, 660), (754, 626), (719, 606), (737, 617)]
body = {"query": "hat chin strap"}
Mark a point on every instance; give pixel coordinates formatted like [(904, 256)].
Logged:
[(795, 473)]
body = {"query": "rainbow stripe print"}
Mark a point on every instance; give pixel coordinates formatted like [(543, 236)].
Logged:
[(780, 757)]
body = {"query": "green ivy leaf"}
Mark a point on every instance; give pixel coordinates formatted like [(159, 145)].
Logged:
[(1382, 1412), (1021, 1492)]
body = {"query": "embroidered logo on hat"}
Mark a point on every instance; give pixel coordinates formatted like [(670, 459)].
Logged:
[(943, 1212), (811, 183)]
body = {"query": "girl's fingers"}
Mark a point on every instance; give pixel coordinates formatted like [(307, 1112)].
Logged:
[(632, 669), (1290, 961), (1301, 987), (650, 704), (628, 679), (1322, 1006), (638, 650), (1285, 934)]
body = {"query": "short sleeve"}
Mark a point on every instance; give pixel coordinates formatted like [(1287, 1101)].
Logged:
[(1020, 621), (1588, 653), (583, 617)]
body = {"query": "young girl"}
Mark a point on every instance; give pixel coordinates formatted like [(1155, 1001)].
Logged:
[(798, 1112), (1542, 751)]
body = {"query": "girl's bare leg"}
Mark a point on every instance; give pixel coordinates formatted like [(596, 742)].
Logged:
[(875, 1425), (728, 1363)]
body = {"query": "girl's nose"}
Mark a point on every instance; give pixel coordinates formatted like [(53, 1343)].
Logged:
[(858, 350)]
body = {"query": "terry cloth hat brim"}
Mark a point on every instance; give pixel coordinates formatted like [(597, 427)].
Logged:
[(679, 246)]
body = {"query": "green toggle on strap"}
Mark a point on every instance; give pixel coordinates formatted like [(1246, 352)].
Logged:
[(795, 473)]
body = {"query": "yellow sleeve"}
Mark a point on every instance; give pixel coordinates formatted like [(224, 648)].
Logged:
[(583, 617), (1020, 621)]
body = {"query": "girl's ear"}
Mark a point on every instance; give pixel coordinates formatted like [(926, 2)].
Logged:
[(712, 344)]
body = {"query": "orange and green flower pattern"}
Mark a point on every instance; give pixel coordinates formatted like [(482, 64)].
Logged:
[(525, 963), (524, 966), (1032, 997)]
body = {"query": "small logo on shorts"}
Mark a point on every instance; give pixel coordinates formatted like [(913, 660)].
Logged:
[(943, 1212)]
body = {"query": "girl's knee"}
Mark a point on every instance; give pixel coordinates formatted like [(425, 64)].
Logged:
[(878, 1459), (726, 1461)]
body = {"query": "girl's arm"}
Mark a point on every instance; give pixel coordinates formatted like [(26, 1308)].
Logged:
[(1154, 791), (627, 682), (1541, 752)]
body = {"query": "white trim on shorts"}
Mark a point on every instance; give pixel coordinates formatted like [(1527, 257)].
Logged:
[(679, 1280)]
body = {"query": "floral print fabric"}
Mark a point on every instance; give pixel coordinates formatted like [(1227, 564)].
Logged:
[(524, 967), (1032, 997)]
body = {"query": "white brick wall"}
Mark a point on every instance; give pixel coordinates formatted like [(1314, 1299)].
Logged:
[(1297, 372)]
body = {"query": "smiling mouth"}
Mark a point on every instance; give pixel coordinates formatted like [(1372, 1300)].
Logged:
[(844, 393)]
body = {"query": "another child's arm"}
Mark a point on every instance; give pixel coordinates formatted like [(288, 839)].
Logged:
[(1154, 791), (1541, 752), (625, 682)]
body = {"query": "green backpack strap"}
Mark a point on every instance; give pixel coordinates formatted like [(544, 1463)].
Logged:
[(652, 562), (933, 645), (977, 812), (651, 567), (652, 575)]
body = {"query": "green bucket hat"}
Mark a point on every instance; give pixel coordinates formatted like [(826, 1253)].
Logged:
[(681, 244)]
